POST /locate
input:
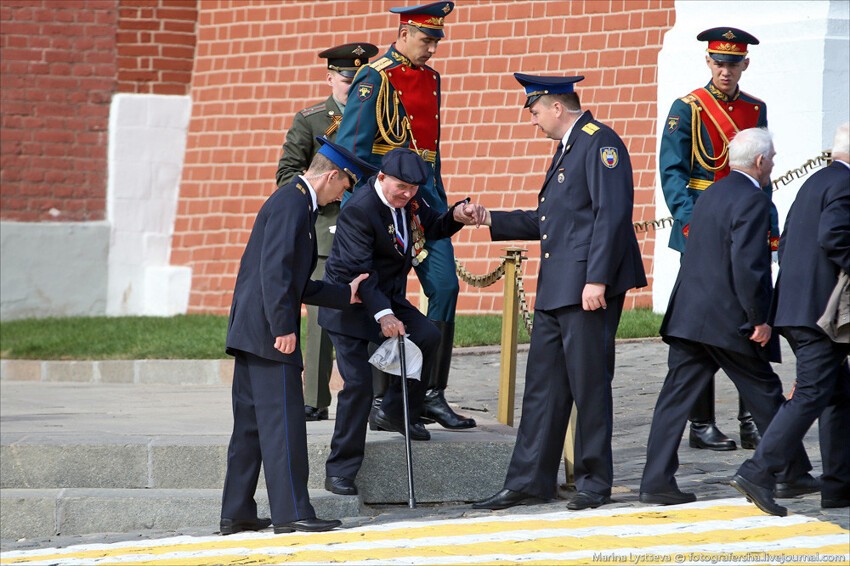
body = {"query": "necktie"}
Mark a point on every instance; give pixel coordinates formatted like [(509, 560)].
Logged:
[(557, 155), (401, 235)]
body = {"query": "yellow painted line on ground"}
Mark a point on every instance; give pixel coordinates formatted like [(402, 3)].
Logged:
[(480, 525), (728, 526)]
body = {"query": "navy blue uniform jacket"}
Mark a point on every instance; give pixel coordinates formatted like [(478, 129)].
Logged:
[(819, 219), (724, 285), (583, 219), (365, 243), (274, 276)]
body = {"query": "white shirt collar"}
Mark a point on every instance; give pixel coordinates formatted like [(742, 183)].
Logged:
[(380, 191), (567, 135), (748, 176), (843, 163), (312, 192)]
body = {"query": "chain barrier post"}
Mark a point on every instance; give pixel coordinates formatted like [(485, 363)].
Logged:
[(510, 318)]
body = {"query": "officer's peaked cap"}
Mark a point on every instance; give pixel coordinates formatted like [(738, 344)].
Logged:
[(355, 167), (537, 86), (347, 59), (727, 44), (428, 18)]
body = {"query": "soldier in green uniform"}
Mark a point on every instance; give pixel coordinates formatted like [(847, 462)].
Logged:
[(321, 120)]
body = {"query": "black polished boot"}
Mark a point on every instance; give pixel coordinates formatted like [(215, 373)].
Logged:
[(704, 433), (707, 435), (750, 436), (436, 409)]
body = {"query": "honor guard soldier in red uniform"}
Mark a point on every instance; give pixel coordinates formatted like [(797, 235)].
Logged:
[(395, 102), (321, 121), (694, 154)]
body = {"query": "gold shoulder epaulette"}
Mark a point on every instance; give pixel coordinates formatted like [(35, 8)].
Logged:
[(381, 63), (590, 129), (688, 98)]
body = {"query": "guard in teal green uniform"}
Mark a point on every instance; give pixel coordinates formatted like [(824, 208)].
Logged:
[(321, 121), (694, 154), (395, 102)]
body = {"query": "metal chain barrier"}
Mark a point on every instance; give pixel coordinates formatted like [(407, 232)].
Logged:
[(825, 158), (488, 279)]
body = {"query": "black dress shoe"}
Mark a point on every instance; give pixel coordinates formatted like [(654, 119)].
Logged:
[(314, 414), (707, 435), (750, 436), (233, 526), (834, 503), (587, 500), (340, 486), (506, 498), (800, 486), (381, 421), (307, 525), (436, 409), (667, 497), (760, 496)]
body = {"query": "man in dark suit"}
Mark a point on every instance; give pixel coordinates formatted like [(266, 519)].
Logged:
[(268, 406), (318, 121), (381, 229), (590, 258), (718, 315), (692, 156), (814, 247)]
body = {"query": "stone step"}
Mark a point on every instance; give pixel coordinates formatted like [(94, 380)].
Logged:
[(39, 513), (453, 466)]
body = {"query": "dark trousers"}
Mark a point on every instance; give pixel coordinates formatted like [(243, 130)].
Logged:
[(822, 390), (354, 401), (571, 358), (318, 353), (691, 365), (268, 428)]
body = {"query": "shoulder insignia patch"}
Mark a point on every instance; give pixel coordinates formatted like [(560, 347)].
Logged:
[(313, 110), (301, 188), (381, 63), (609, 156), (688, 99), (672, 124), (590, 129), (364, 91)]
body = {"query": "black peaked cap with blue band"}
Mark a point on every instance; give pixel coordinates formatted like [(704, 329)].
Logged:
[(536, 86), (428, 18), (405, 165), (355, 167)]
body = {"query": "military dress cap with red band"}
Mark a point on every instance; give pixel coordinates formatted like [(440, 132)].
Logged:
[(353, 166), (347, 59), (428, 18), (537, 86), (727, 44)]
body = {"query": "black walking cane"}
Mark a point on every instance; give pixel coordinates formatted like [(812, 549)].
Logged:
[(411, 499)]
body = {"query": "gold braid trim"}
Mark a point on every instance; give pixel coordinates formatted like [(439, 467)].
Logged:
[(698, 149), (392, 126)]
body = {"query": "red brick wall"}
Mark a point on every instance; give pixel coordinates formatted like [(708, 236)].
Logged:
[(156, 45), (256, 66), (62, 60), (58, 76)]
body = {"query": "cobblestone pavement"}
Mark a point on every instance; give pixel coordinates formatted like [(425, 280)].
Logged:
[(473, 387)]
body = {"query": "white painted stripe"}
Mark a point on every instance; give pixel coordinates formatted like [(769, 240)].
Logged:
[(713, 553), (638, 529), (493, 518)]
